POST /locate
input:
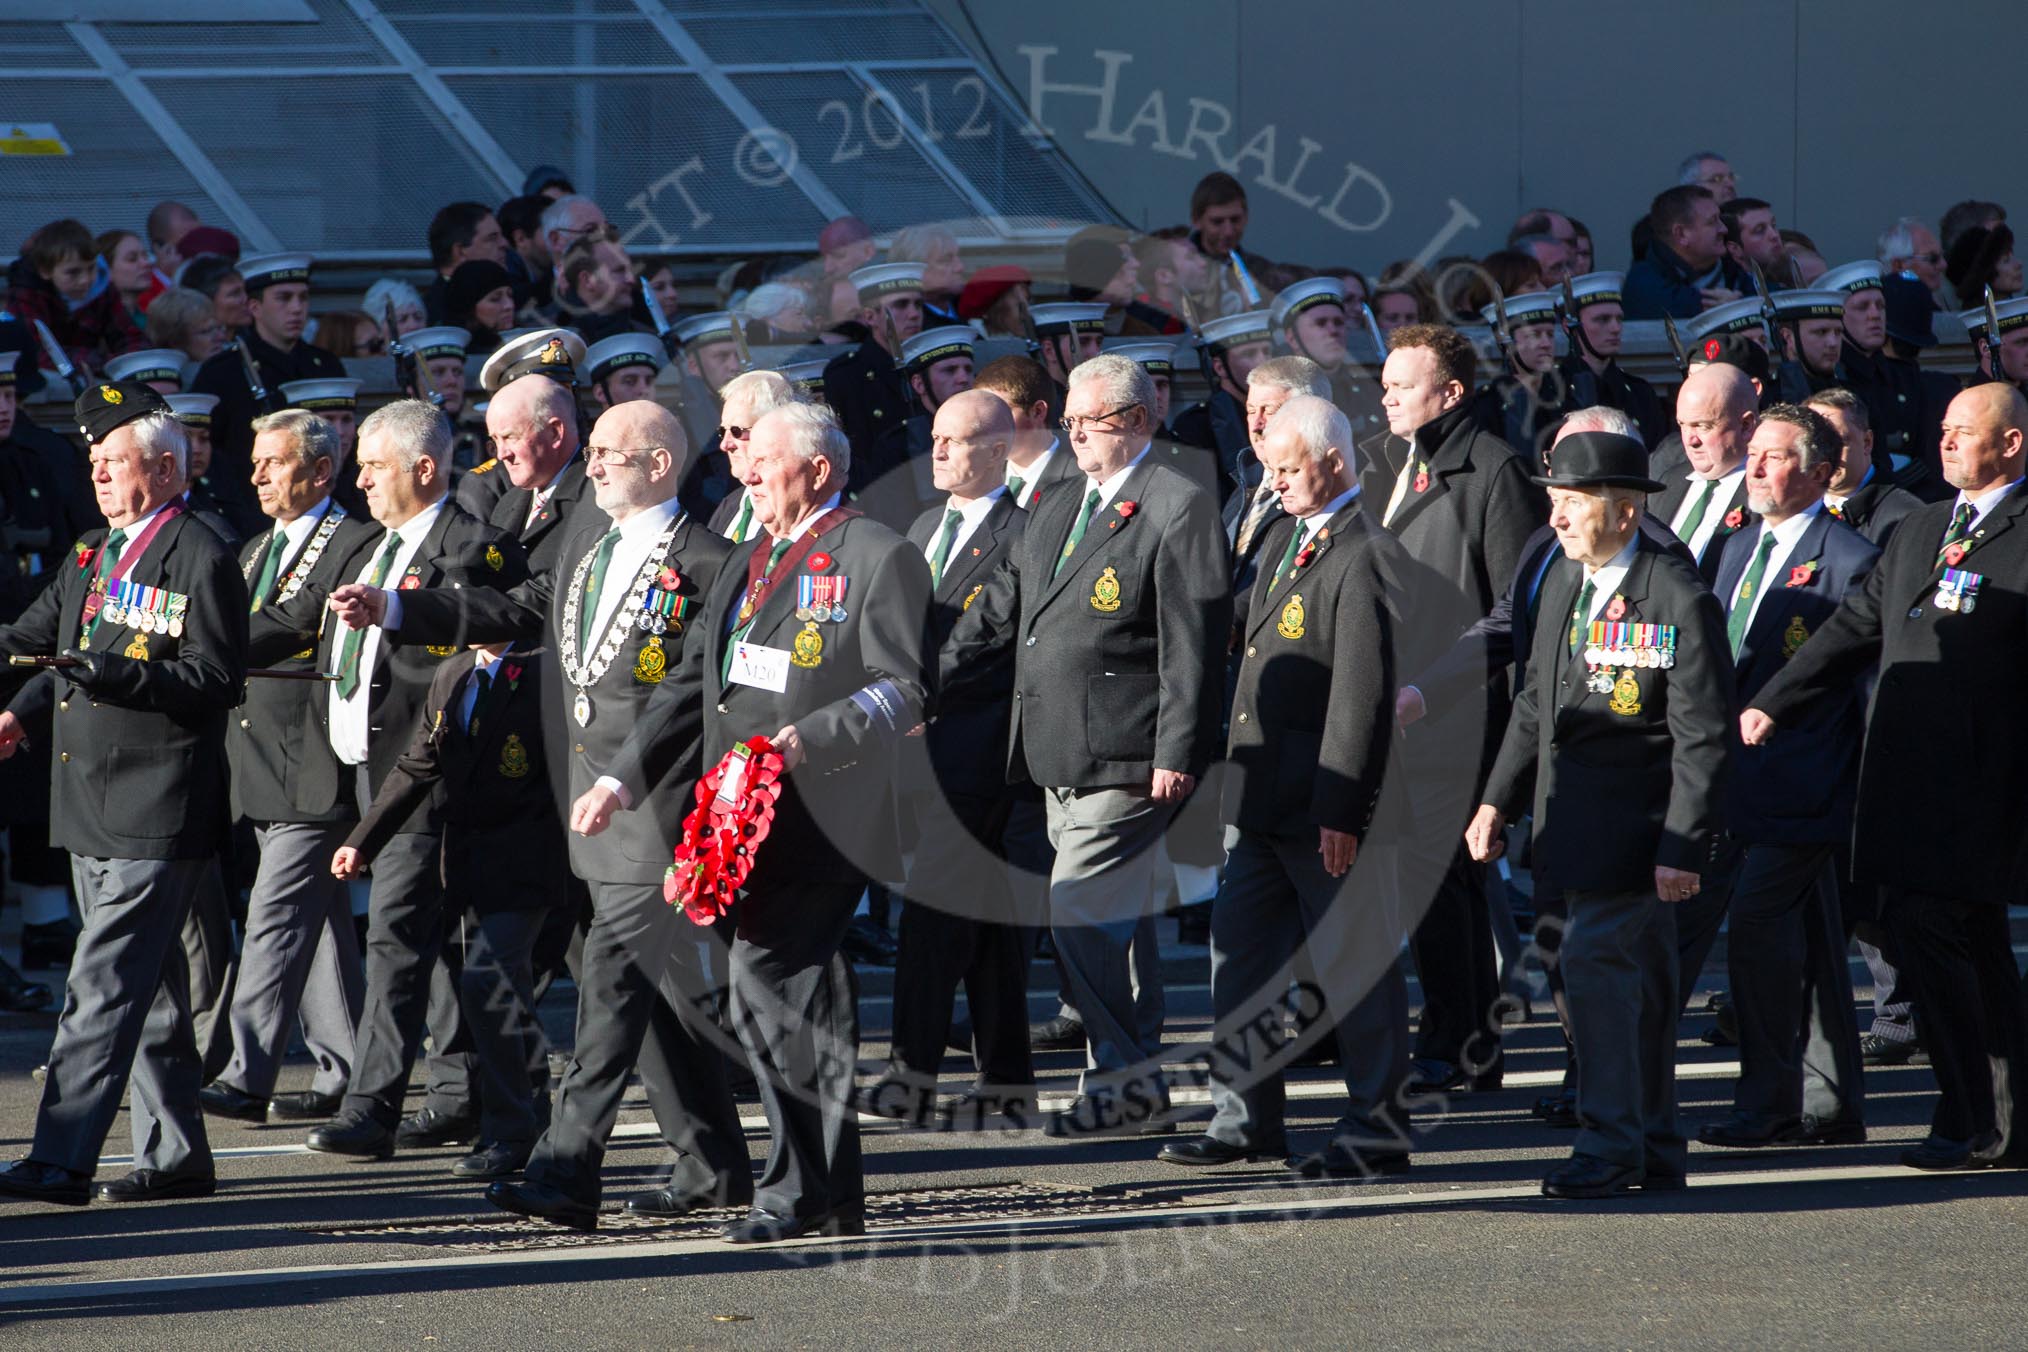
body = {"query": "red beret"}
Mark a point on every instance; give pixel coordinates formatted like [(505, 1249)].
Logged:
[(208, 239), (988, 285)]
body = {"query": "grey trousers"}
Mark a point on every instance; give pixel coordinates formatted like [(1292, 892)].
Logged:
[(491, 959), (126, 1012), (405, 982), (1276, 900), (1792, 988), (298, 957), (1111, 877), (1619, 968), (207, 950), (643, 994)]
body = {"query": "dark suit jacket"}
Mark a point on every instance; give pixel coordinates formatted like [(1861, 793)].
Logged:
[(1061, 469), (1217, 425), (1943, 779), (503, 836), (1733, 517), (458, 551), (1313, 712), (869, 686), (1877, 506), (1797, 790), (870, 396), (1119, 657), (481, 487), (139, 768), (638, 845), (224, 374), (974, 719), (1617, 794), (542, 539), (272, 734)]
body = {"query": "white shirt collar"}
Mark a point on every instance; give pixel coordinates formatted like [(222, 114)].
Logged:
[(422, 523), (1108, 487), (1607, 579), (1731, 476), (298, 530), (1788, 532), (1982, 504), (133, 529), (973, 512), (1330, 509), (803, 525), (648, 522), (1032, 471)]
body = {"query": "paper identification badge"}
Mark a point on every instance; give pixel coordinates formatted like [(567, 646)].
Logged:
[(762, 668)]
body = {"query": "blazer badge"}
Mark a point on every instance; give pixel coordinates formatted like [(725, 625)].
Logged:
[(514, 758), (1626, 700), (1291, 623), (808, 648), (1794, 637), (138, 649), (1105, 593), (651, 663)]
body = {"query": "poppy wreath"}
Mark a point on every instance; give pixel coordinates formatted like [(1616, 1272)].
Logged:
[(723, 833)]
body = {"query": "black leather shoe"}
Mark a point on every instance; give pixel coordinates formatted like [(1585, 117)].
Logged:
[(765, 1227), (990, 1110), (353, 1134), (1427, 1075), (1339, 1160), (1561, 1112), (867, 943), (33, 1182), (1090, 1117), (222, 1100), (19, 995), (1876, 1050), (1813, 1130), (1941, 1156), (1060, 1034), (429, 1128), (494, 1159), (46, 946), (543, 1203), (1663, 1180), (304, 1106), (673, 1200), (154, 1185), (1738, 1133), (1586, 1176), (1724, 1029), (1208, 1152)]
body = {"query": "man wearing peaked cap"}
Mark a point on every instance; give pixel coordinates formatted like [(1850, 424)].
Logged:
[(336, 401), (1592, 366), (1524, 402), (2013, 344), (1227, 349), (1892, 388), (623, 368), (159, 368), (555, 353), (195, 412), (893, 485), (807, 376), (1309, 319), (1619, 741), (864, 385), (278, 303), (1070, 331), (155, 617), (1812, 326), (440, 361), (710, 359)]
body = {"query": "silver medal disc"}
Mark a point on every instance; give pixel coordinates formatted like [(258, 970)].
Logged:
[(838, 614), (176, 627), (580, 708)]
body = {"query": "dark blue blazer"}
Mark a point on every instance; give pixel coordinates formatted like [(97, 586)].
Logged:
[(1799, 789)]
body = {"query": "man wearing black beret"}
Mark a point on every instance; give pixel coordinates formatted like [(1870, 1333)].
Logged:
[(152, 616)]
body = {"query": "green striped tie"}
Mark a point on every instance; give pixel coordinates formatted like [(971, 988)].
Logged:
[(593, 584), (355, 639), (1742, 605), (1077, 529)]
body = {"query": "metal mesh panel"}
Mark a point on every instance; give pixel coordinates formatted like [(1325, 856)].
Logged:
[(833, 36), (337, 39), (354, 162), (627, 141), (40, 46), (855, 148), (1026, 178), (561, 39), (116, 171)]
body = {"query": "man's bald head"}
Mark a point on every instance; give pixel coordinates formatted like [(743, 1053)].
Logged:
[(969, 441), (636, 458), (1984, 432), (533, 424), (1715, 412)]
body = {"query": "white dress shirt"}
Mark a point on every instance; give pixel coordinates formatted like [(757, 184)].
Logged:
[(1786, 536), (543, 495), (970, 514), (638, 534), (1714, 511), (1108, 489), (1606, 581), (1401, 484), (731, 531), (349, 716), (1031, 475), (1982, 504)]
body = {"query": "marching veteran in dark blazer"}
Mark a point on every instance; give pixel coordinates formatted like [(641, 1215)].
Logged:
[(1118, 608), (479, 748), (1311, 733), (1789, 805), (152, 613), (1619, 738), (813, 638), (1943, 778), (618, 613)]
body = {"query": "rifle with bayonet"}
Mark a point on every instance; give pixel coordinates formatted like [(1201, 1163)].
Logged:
[(893, 336), (59, 359), (1994, 370), (663, 328), (1503, 337), (263, 402), (409, 375), (739, 341), (1791, 381), (1676, 345), (1245, 280), (1583, 380), (1372, 327)]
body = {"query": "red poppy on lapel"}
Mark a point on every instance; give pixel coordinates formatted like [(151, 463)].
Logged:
[(85, 555), (1954, 555), (1305, 554), (1126, 510), (1803, 574), (1421, 484), (1616, 609), (818, 562), (1735, 518), (411, 582), (668, 579)]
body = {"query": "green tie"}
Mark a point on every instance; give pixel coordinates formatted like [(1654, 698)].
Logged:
[(1295, 548), (1077, 529), (355, 639), (774, 557), (1961, 526), (1580, 616), (109, 554), (588, 607), (1697, 510), (1015, 483), (942, 557), (271, 565), (1742, 605)]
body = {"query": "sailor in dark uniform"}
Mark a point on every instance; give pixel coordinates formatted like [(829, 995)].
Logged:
[(336, 401), (864, 386), (1309, 320), (1592, 367), (893, 485), (1228, 349), (1525, 402)]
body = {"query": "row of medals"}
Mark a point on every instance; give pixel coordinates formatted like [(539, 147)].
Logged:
[(147, 621), (1601, 662), (648, 622), (836, 614)]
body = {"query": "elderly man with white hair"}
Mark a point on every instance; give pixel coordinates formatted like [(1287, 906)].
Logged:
[(154, 619), (811, 636), (1319, 636), (1118, 606), (745, 399)]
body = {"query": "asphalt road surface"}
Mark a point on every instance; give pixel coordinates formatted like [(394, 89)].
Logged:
[(1017, 1240)]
